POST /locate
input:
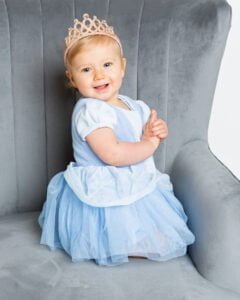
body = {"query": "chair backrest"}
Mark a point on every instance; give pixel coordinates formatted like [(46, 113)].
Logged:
[(173, 50)]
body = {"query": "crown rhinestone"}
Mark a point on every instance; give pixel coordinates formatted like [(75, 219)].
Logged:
[(85, 28)]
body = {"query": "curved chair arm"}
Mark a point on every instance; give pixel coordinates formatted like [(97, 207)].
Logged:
[(210, 194)]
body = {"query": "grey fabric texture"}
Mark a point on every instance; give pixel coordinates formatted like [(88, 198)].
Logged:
[(211, 195), (29, 271), (174, 50)]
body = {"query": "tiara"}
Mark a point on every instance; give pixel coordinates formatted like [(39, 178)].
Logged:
[(88, 27)]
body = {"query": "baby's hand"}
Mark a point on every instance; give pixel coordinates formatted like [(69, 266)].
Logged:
[(159, 128), (155, 127), (147, 130)]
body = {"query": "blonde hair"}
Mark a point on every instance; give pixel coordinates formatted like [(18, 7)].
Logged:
[(89, 40)]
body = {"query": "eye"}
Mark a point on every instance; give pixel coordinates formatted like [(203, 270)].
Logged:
[(85, 70), (108, 64)]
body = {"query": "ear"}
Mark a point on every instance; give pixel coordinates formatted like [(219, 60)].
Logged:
[(124, 63), (70, 77)]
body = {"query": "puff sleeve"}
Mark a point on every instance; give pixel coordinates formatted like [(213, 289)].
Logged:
[(146, 111), (92, 115)]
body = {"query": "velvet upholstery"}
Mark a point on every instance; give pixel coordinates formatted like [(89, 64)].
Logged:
[(174, 50)]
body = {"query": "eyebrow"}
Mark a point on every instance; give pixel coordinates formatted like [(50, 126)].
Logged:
[(85, 65)]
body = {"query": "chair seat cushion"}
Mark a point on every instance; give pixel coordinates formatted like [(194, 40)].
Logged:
[(29, 270)]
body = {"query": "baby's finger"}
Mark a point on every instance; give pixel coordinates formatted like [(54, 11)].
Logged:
[(159, 122), (153, 116), (163, 134), (158, 131), (158, 126)]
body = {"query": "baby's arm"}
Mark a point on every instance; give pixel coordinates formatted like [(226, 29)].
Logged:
[(119, 153)]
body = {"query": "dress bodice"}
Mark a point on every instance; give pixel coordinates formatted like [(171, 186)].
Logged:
[(101, 184), (128, 127)]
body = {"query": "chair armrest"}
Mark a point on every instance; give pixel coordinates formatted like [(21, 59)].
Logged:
[(210, 195)]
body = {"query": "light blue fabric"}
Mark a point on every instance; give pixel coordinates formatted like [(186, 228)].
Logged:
[(109, 185), (98, 211)]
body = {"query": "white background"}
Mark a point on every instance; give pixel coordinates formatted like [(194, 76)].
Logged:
[(224, 126)]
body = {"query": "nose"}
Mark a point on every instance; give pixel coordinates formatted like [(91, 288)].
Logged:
[(98, 75)]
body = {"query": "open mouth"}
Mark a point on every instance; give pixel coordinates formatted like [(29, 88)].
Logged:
[(101, 87)]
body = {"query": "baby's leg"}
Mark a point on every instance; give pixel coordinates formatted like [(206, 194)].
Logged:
[(163, 242)]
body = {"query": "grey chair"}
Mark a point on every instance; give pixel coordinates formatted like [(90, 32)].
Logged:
[(174, 49)]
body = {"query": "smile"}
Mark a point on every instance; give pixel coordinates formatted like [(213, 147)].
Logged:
[(101, 87)]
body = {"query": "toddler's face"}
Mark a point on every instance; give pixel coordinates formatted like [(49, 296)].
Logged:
[(97, 72)]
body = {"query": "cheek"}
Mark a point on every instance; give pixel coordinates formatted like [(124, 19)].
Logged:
[(118, 75), (82, 82)]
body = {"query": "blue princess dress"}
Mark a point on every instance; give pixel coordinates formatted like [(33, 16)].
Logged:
[(98, 211)]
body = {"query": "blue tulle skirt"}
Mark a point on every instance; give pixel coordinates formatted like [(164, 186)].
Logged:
[(153, 226)]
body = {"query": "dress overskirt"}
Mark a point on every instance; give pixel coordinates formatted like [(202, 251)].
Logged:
[(152, 225)]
